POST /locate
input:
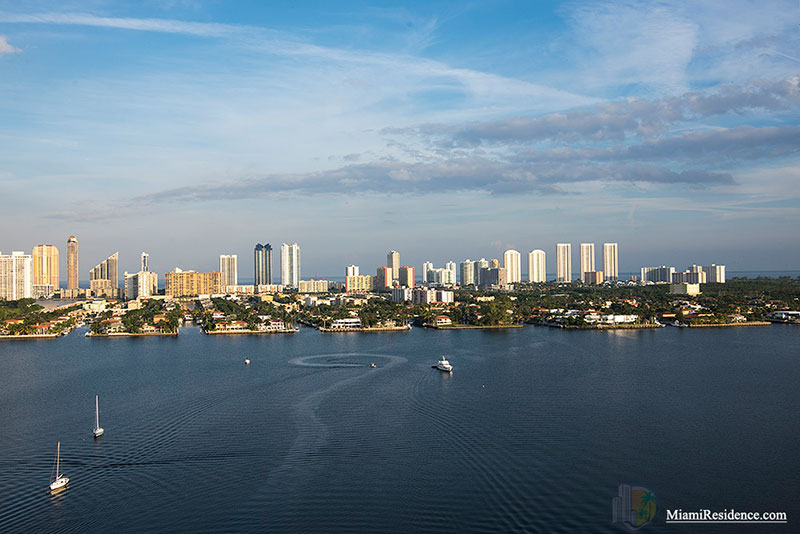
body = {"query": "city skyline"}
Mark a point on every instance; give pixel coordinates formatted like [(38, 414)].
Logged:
[(676, 136)]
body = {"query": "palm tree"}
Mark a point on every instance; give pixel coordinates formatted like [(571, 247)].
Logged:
[(648, 506)]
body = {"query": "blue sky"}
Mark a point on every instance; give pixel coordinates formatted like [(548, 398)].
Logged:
[(442, 130)]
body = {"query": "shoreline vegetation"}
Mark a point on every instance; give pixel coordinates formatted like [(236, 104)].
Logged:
[(569, 306)]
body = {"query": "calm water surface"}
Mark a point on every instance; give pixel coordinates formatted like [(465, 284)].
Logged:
[(532, 432)]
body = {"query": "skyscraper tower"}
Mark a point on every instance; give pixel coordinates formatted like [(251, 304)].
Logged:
[(72, 262), (564, 262), (290, 264), (104, 278), (610, 261), (45, 266), (229, 272), (145, 262), (536, 266), (587, 258), (511, 262), (393, 261), (263, 264)]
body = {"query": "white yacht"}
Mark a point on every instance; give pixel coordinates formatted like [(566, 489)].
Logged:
[(444, 365), (98, 431), (247, 361), (60, 480)]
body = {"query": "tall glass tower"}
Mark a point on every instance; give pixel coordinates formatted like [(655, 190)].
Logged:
[(262, 261)]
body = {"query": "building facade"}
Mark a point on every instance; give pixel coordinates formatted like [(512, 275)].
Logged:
[(45, 266), (383, 278), (312, 286), (180, 283), (715, 274), (467, 271), (229, 269), (72, 262), (262, 264), (611, 261), (143, 284), (393, 262), (104, 277), (513, 266), (359, 283), (16, 276), (406, 276), (563, 262), (656, 275), (290, 264), (536, 266), (587, 258)]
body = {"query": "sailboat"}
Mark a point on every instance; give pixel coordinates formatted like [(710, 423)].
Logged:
[(97, 430), (60, 480)]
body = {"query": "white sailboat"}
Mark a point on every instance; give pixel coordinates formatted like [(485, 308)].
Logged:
[(98, 431), (60, 480)]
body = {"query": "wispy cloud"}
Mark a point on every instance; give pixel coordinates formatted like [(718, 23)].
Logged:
[(6, 48), (204, 29)]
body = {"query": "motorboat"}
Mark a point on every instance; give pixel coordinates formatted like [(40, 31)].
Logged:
[(247, 361), (372, 365), (444, 365)]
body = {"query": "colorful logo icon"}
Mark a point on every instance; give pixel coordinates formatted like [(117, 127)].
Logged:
[(633, 508)]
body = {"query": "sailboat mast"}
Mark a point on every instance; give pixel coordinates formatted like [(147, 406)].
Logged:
[(96, 412), (58, 459)]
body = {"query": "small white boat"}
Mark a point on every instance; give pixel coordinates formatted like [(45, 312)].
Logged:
[(444, 365), (60, 480), (98, 431), (247, 361), (372, 365)]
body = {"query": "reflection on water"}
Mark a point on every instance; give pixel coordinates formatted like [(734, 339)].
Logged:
[(533, 430)]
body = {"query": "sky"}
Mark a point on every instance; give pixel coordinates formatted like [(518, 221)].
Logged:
[(442, 130)]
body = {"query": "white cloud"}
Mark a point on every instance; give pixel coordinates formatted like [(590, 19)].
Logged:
[(6, 48)]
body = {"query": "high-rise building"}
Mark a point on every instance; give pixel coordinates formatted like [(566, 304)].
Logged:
[(145, 262), (587, 258), (72, 262), (45, 266), (536, 266), (262, 264), (564, 262), (480, 264), (467, 268), (359, 283), (427, 267), (383, 278), (104, 277), (393, 261), (715, 274), (290, 264), (494, 277), (141, 285), (512, 265), (611, 261), (228, 269), (351, 270), (16, 276), (660, 274), (180, 283), (451, 266), (406, 277)]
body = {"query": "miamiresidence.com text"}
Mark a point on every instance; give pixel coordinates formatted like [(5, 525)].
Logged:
[(726, 516)]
